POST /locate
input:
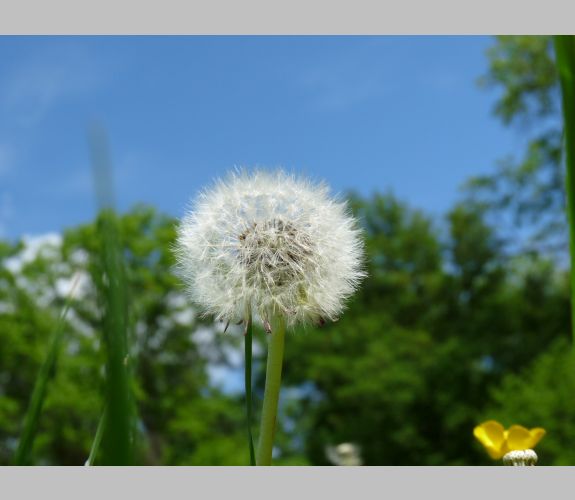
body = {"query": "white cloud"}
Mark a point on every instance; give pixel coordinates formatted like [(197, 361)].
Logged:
[(79, 284), (33, 247)]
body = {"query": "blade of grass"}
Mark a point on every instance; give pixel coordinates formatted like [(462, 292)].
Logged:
[(248, 382), (41, 385), (118, 434), (97, 440), (565, 57)]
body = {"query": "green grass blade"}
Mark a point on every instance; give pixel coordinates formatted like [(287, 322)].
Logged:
[(32, 417), (565, 56), (119, 433), (248, 382), (97, 440)]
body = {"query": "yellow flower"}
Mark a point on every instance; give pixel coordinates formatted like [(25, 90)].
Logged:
[(498, 441)]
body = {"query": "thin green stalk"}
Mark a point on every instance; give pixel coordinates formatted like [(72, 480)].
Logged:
[(41, 385), (112, 288), (565, 55), (272, 391), (97, 440), (248, 380)]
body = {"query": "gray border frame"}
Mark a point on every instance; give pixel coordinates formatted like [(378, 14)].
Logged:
[(278, 483), (285, 17)]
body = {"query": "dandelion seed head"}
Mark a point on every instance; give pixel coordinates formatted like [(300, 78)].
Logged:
[(270, 242)]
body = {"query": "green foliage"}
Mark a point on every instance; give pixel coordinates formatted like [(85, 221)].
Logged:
[(526, 197), (406, 372), (169, 371), (40, 387), (524, 69), (542, 394), (205, 431), (402, 270)]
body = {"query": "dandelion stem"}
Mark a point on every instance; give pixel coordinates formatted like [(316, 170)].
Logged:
[(248, 382), (272, 391)]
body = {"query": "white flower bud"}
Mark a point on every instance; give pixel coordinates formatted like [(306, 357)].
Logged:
[(520, 458)]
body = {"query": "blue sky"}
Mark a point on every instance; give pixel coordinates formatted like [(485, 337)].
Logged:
[(365, 113)]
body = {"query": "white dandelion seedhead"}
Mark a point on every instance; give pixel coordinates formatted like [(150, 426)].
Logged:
[(269, 242), (348, 454)]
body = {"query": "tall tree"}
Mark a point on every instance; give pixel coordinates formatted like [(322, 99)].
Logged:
[(525, 196)]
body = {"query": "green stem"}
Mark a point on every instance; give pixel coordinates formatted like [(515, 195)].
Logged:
[(248, 382), (565, 56), (112, 290), (97, 440), (41, 384), (272, 391)]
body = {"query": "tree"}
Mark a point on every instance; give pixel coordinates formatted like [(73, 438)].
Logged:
[(526, 196), (407, 371), (441, 321), (172, 383)]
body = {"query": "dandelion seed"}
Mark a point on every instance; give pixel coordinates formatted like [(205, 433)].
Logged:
[(272, 243)]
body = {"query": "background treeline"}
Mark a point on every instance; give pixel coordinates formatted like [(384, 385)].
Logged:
[(462, 319)]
